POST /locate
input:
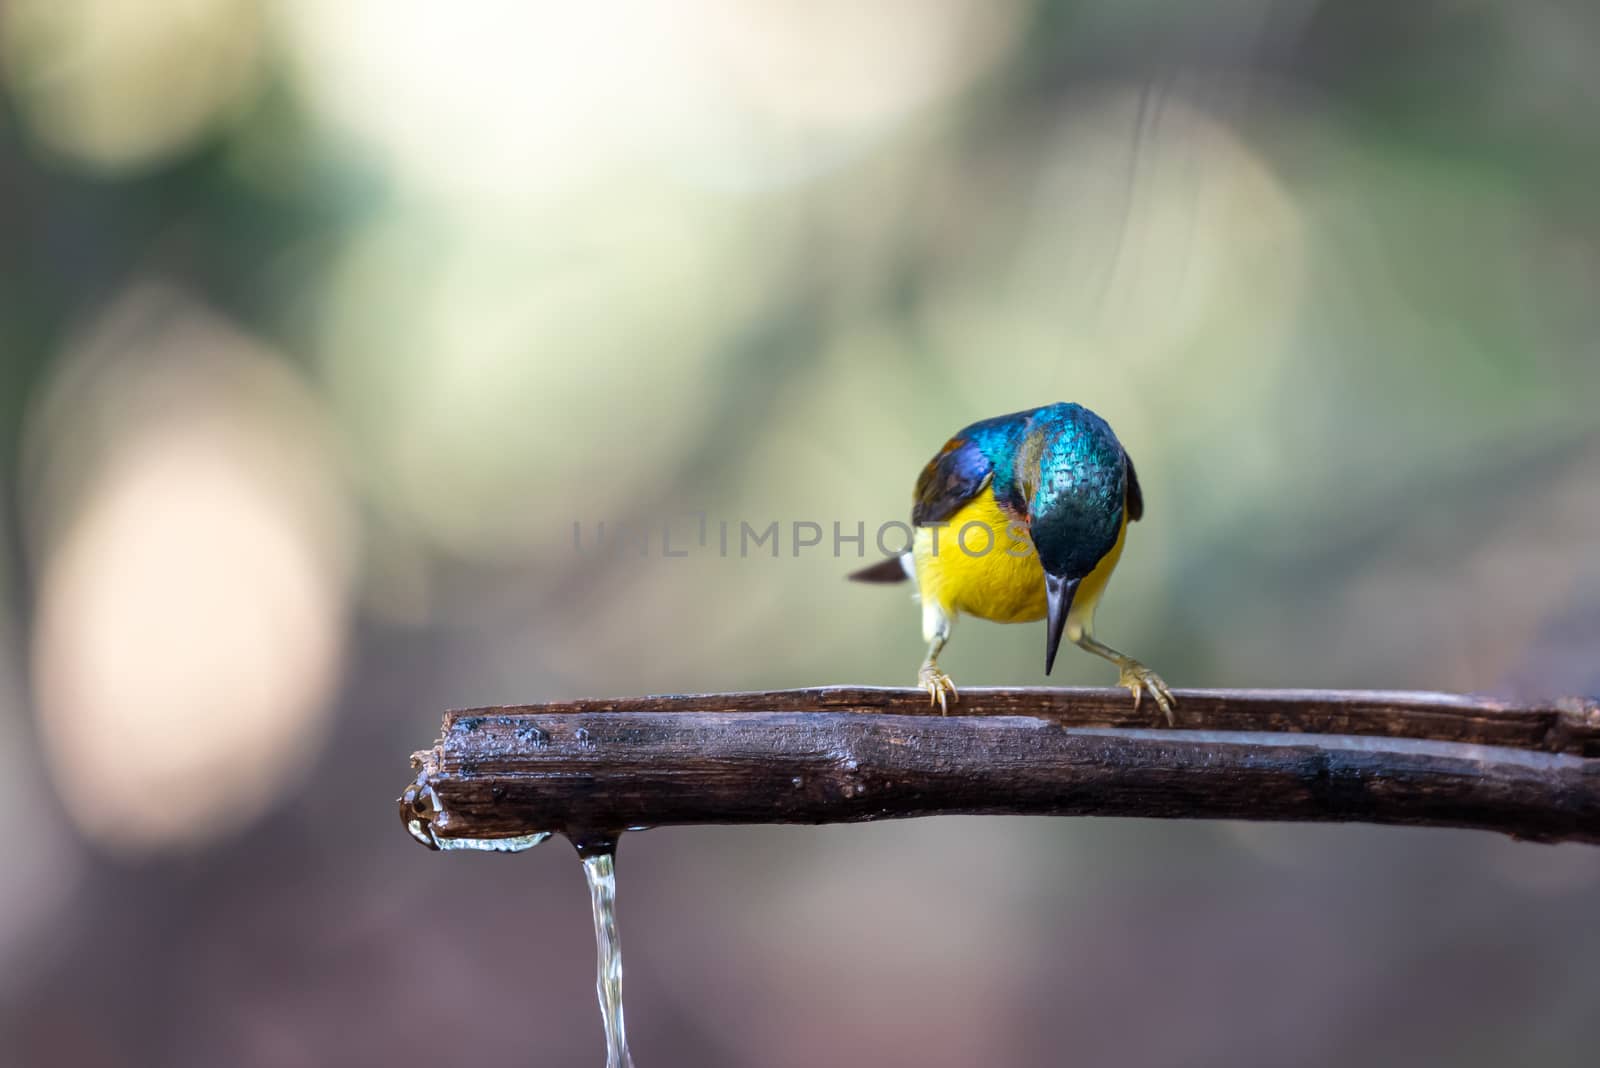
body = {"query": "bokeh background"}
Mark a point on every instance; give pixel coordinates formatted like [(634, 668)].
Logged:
[(322, 323)]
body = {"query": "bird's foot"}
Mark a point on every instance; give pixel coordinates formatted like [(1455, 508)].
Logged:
[(938, 684), (1138, 678)]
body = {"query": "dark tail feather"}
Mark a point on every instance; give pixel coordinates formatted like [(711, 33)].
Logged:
[(886, 570)]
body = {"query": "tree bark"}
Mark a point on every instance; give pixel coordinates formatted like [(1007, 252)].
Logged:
[(592, 769)]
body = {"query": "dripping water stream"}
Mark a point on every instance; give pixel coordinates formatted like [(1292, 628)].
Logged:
[(599, 868), (419, 807)]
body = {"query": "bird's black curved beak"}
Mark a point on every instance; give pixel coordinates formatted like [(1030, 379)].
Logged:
[(1058, 594)]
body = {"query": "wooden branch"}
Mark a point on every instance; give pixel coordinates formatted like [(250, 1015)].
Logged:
[(591, 769)]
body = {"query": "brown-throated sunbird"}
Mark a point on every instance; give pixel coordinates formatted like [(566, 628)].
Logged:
[(1033, 508)]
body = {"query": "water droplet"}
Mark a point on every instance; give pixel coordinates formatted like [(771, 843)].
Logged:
[(516, 844), (420, 807), (521, 843), (425, 836)]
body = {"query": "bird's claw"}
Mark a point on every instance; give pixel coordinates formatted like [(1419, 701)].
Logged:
[(1138, 678), (938, 684)]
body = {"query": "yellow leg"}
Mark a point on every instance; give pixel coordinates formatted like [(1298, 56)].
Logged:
[(929, 677), (1080, 631), (1135, 676)]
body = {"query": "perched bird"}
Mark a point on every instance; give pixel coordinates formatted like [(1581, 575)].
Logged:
[(1018, 518)]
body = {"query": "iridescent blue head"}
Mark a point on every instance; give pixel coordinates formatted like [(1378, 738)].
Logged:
[(1075, 479)]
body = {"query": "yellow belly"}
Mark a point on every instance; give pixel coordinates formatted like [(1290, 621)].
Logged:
[(1005, 583)]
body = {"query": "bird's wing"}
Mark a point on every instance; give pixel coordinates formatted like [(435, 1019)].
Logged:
[(959, 473), (1135, 494)]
